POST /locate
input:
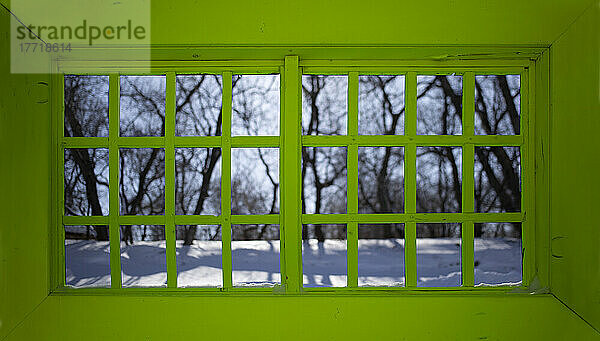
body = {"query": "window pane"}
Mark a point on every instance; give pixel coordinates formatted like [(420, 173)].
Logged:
[(199, 256), (142, 105), (381, 105), (198, 111), (498, 105), (381, 179), (198, 181), (143, 256), (497, 179), (439, 105), (498, 256), (86, 105), (255, 255), (87, 256), (255, 105), (438, 255), (381, 255), (439, 179), (142, 187), (254, 180), (324, 180), (324, 255), (324, 105), (86, 181)]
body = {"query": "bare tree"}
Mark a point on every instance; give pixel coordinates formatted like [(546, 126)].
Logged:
[(323, 168), (86, 114)]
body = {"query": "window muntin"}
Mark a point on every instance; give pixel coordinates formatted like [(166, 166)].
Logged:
[(439, 162), (382, 141), (172, 158)]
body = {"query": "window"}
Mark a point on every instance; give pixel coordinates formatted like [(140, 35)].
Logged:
[(300, 177)]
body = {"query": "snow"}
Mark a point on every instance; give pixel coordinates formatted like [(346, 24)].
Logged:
[(256, 263)]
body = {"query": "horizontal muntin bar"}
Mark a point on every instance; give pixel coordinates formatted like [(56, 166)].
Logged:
[(226, 65), (366, 290), (198, 220), (255, 219), (141, 142), (255, 141), (400, 70), (85, 220), (235, 219), (137, 67), (270, 290), (128, 220), (122, 142), (197, 141), (374, 218), (417, 64), (85, 142), (165, 291), (421, 140), (154, 71), (180, 141), (179, 219), (142, 220)]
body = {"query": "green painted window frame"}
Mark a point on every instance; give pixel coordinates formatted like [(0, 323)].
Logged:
[(290, 141)]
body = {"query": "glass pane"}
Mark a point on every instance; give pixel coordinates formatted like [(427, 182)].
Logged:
[(255, 105), (255, 255), (439, 255), (87, 256), (86, 105), (198, 181), (381, 255), (142, 105), (498, 105), (254, 180), (198, 111), (324, 105), (439, 105), (381, 105), (324, 180), (381, 179), (497, 179), (324, 251), (86, 181), (142, 187), (199, 256), (439, 179), (143, 256), (498, 256)]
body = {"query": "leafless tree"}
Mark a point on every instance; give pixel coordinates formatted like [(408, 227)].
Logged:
[(323, 168)]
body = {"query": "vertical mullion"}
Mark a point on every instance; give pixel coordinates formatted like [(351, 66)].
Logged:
[(60, 176), (410, 180), (468, 179), (113, 183), (226, 179), (282, 203), (170, 181), (527, 164), (291, 185), (352, 181)]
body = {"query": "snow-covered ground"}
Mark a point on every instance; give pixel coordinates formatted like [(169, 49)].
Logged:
[(381, 263)]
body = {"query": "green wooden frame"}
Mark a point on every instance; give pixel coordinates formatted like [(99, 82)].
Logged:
[(290, 142)]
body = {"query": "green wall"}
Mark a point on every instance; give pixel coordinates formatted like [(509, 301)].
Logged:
[(27, 312), (386, 22), (575, 159), (25, 200)]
